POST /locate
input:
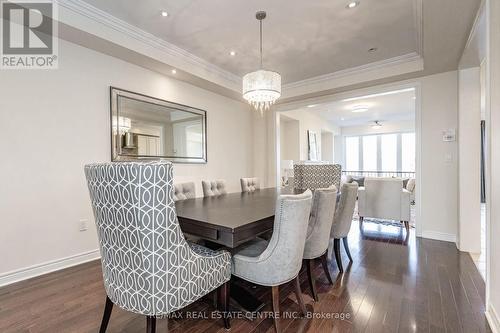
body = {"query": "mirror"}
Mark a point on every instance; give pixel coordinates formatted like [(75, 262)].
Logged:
[(144, 127)]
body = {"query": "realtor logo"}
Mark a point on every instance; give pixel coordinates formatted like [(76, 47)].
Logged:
[(28, 34)]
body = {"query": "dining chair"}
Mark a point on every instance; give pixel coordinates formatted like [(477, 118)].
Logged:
[(143, 251), (277, 261), (183, 191), (342, 220), (213, 188), (318, 233), (249, 184)]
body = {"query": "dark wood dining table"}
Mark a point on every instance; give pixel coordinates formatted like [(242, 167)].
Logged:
[(230, 220)]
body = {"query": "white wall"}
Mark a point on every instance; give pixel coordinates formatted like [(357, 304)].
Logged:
[(309, 121), (493, 110), (53, 122), (327, 146), (439, 183), (469, 138), (290, 141)]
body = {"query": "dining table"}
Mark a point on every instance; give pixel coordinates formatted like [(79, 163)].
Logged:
[(230, 220)]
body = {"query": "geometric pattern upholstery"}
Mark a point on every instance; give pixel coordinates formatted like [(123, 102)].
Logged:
[(213, 188), (313, 176), (148, 267), (184, 191), (249, 184)]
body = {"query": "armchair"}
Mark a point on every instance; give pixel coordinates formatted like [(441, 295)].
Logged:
[(384, 198)]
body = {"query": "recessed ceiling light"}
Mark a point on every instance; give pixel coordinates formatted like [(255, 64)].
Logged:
[(164, 13), (352, 4), (311, 105), (359, 108), (342, 118), (372, 49), (174, 71), (232, 53)]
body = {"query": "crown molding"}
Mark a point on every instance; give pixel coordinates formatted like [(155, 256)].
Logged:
[(403, 64), (96, 15)]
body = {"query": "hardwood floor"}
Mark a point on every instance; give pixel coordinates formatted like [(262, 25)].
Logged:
[(396, 284)]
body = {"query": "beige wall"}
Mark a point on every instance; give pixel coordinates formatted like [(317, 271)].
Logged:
[(53, 122)]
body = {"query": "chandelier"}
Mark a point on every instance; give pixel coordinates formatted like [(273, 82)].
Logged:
[(261, 88)]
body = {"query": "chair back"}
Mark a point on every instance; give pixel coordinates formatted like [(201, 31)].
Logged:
[(344, 212), (320, 222), (283, 255), (184, 191), (382, 198), (249, 184), (213, 188), (313, 176), (143, 250)]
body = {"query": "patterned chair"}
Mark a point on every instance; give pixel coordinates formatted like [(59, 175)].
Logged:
[(249, 184), (213, 188), (343, 219), (277, 261), (313, 176), (184, 191), (143, 251), (318, 233)]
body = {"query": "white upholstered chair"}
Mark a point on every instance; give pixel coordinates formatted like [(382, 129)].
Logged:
[(384, 198), (277, 261), (213, 188), (318, 233), (183, 191), (249, 184)]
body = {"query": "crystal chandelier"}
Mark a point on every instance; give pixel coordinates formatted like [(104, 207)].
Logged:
[(261, 88)]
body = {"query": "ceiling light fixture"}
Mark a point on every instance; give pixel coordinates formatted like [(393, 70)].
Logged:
[(164, 13), (232, 53), (352, 4), (378, 95), (261, 88), (174, 71), (360, 108), (377, 124), (372, 49), (311, 105)]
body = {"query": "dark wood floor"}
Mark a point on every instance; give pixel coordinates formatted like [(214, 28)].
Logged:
[(395, 284)]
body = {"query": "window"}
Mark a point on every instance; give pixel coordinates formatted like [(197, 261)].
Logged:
[(370, 153), (408, 152), (352, 153), (389, 147)]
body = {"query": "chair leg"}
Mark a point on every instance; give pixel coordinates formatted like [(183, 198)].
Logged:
[(338, 257), (150, 324), (346, 248), (324, 262), (298, 294), (276, 307), (107, 314), (223, 303), (312, 283)]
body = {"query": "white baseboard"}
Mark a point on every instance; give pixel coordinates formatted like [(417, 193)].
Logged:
[(493, 319), (47, 267), (442, 236)]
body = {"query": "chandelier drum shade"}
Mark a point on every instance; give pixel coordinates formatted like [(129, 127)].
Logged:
[(261, 88)]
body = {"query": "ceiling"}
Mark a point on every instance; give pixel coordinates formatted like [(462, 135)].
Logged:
[(336, 38), (390, 107)]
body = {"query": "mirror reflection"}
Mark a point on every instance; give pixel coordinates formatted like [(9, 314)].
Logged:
[(144, 127)]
